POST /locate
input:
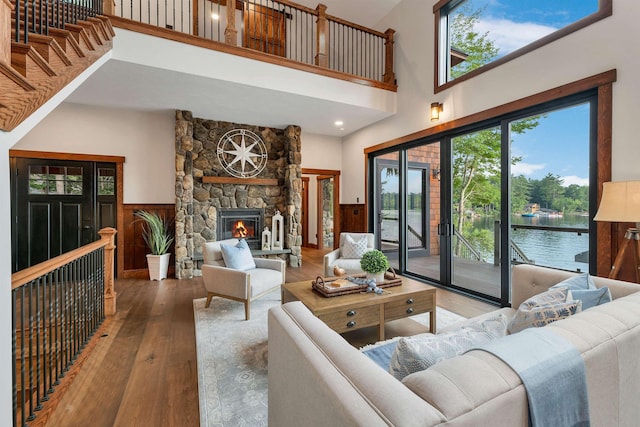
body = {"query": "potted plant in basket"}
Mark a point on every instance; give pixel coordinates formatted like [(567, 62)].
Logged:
[(157, 235), (374, 263)]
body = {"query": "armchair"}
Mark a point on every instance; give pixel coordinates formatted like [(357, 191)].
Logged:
[(239, 285), (348, 258)]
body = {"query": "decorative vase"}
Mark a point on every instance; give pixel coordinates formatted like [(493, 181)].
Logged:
[(158, 266), (379, 277)]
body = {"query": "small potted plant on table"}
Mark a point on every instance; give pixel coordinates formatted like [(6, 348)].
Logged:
[(374, 263), (157, 235)]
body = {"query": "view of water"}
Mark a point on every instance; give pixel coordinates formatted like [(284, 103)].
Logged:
[(549, 248)]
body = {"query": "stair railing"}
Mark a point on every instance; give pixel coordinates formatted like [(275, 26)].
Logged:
[(57, 306), (37, 16)]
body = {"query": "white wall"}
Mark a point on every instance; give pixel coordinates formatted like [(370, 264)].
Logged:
[(6, 380), (318, 152), (605, 45), (145, 139)]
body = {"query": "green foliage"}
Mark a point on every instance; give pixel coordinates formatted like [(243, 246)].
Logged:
[(156, 232), (479, 48), (374, 261)]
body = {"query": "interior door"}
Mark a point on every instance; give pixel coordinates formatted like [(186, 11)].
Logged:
[(265, 29)]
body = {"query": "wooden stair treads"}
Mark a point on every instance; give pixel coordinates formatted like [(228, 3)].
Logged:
[(10, 79), (91, 31), (68, 43), (29, 63), (81, 36), (107, 24), (50, 50), (40, 69)]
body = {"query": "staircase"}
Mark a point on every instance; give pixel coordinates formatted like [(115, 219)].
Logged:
[(44, 45)]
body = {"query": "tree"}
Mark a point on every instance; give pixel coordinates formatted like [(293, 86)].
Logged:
[(479, 48)]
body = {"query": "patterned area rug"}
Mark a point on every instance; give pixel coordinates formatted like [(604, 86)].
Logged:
[(232, 359)]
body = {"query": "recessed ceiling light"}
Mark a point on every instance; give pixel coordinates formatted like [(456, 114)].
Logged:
[(341, 128), (339, 123), (215, 16)]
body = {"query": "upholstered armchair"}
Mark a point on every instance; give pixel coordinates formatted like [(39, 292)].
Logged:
[(243, 285), (347, 256)]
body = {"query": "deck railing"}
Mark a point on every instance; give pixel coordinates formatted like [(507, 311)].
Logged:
[(37, 16), (276, 27), (57, 306)]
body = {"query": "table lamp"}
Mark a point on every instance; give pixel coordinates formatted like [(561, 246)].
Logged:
[(621, 203)]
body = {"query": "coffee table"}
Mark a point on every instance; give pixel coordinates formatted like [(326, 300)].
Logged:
[(355, 311)]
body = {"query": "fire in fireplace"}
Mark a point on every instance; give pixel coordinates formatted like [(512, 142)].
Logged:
[(241, 230), (241, 223)]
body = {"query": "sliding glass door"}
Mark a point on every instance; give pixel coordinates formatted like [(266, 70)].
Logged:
[(461, 208), (475, 207)]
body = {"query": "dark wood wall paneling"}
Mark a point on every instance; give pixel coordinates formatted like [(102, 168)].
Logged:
[(133, 256), (353, 218)]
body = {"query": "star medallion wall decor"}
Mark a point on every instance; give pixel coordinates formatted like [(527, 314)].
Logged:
[(242, 153)]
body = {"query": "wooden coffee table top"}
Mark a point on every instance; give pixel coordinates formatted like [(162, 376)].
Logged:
[(319, 304)]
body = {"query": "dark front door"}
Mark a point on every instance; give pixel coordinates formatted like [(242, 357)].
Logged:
[(56, 208)]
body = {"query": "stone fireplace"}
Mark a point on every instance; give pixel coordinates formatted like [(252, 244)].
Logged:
[(205, 191), (241, 223)]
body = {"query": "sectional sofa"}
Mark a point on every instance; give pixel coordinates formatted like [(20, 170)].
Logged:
[(316, 378)]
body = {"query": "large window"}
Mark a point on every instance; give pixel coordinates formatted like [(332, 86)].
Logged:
[(476, 35)]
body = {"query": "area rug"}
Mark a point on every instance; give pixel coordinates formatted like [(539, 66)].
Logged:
[(232, 359)]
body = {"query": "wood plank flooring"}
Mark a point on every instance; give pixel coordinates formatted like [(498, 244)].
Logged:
[(143, 370)]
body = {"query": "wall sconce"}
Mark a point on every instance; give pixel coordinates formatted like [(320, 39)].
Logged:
[(435, 173), (436, 109)]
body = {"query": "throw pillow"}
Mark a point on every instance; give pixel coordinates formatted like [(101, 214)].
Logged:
[(381, 352), (238, 257), (354, 249), (590, 297), (544, 308), (588, 293), (413, 354), (581, 281)]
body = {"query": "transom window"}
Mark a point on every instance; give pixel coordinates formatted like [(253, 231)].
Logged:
[(476, 35), (55, 180)]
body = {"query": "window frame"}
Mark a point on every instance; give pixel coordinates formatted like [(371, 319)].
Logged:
[(605, 9)]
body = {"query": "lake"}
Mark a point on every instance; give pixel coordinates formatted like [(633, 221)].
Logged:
[(548, 248)]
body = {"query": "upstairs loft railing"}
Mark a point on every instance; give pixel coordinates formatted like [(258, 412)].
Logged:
[(281, 28), (37, 16), (57, 306)]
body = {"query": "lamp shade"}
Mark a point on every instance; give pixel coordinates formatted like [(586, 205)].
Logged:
[(620, 202)]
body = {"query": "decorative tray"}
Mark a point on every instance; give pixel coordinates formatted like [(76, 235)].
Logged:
[(326, 286)]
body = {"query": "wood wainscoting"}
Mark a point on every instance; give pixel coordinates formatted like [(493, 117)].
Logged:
[(132, 256), (353, 218)]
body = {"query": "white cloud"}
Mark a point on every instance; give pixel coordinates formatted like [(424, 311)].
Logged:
[(508, 35), (572, 179), (525, 169)]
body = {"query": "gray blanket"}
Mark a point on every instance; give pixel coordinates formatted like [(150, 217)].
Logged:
[(553, 375)]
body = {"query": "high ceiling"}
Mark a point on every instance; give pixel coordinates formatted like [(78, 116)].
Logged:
[(130, 85)]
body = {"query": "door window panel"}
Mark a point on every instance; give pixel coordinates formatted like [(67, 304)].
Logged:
[(55, 180)]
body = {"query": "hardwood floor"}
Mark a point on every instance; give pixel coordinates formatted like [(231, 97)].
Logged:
[(143, 369)]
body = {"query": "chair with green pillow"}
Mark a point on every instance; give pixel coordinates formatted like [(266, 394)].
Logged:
[(230, 271)]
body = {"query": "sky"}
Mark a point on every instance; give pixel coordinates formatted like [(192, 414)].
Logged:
[(559, 144), (515, 23)]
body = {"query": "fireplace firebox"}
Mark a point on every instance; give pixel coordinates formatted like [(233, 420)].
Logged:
[(241, 223)]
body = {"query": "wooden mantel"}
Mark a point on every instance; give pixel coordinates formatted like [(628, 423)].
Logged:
[(234, 180)]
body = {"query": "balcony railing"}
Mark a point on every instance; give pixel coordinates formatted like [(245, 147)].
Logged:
[(280, 28), (57, 306)]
